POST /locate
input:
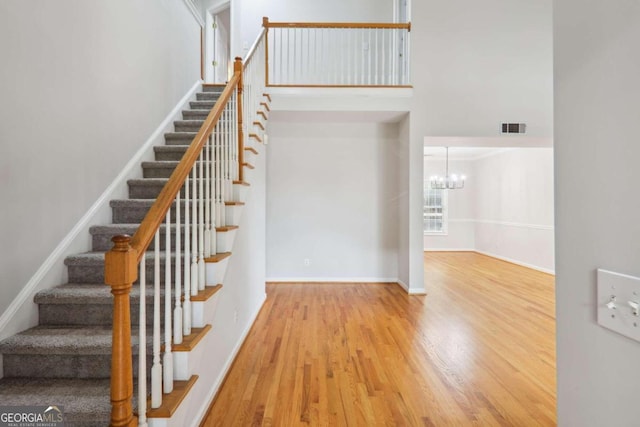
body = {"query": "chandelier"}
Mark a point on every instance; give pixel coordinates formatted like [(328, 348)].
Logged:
[(448, 182)]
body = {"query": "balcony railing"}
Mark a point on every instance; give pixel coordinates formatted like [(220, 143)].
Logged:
[(337, 54)]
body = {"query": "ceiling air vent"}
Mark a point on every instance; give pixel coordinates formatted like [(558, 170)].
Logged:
[(514, 128)]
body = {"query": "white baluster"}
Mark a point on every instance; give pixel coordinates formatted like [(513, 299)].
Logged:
[(230, 144), (186, 322), (194, 235), (212, 189), (219, 204), (384, 57), (156, 369), (408, 59), (201, 203), (222, 172), (167, 361), (207, 202), (177, 312), (142, 347)]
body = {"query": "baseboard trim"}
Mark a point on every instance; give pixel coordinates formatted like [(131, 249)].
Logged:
[(227, 367), (331, 280), (61, 251), (409, 290), (516, 262), (449, 250)]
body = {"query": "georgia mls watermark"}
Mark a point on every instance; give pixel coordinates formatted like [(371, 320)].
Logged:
[(31, 416)]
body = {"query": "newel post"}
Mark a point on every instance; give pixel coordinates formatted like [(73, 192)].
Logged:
[(237, 68), (120, 272), (265, 24)]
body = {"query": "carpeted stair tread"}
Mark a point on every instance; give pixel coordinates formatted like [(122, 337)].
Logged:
[(179, 138), (88, 293), (213, 87), (171, 148), (195, 114), (149, 202), (133, 211), (150, 182), (170, 152), (130, 229), (73, 340), (160, 164), (208, 96), (86, 402), (202, 105), (97, 258), (187, 125), (102, 235)]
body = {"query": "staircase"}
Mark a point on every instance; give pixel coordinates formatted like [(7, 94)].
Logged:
[(66, 359)]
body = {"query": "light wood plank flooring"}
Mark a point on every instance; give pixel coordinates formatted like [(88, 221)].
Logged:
[(478, 350)]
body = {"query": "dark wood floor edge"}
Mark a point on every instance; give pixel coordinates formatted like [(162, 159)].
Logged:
[(233, 361)]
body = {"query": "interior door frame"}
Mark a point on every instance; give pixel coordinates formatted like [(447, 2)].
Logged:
[(209, 36)]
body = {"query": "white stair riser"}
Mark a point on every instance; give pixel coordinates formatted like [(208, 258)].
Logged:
[(204, 311), (233, 214), (225, 240), (240, 192), (215, 271)]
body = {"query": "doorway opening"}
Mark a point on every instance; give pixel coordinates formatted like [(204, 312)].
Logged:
[(505, 209), (218, 64)]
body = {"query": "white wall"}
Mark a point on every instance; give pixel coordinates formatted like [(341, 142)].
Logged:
[(332, 198), (460, 234), (596, 163), (79, 97), (514, 206), (479, 64)]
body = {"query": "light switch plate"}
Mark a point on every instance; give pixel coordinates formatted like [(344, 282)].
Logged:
[(615, 292)]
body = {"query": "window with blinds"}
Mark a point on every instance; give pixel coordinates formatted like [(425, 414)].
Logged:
[(435, 210)]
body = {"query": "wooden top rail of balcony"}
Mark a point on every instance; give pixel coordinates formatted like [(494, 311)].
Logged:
[(344, 25)]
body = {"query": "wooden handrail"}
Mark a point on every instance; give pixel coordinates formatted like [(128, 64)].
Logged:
[(254, 47), (373, 25), (156, 214)]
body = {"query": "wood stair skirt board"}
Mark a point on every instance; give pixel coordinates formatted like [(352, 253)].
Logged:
[(171, 401), (75, 318)]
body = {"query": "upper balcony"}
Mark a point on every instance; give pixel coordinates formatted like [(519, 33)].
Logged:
[(356, 67)]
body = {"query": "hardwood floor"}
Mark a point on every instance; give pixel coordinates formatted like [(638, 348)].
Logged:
[(477, 350)]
